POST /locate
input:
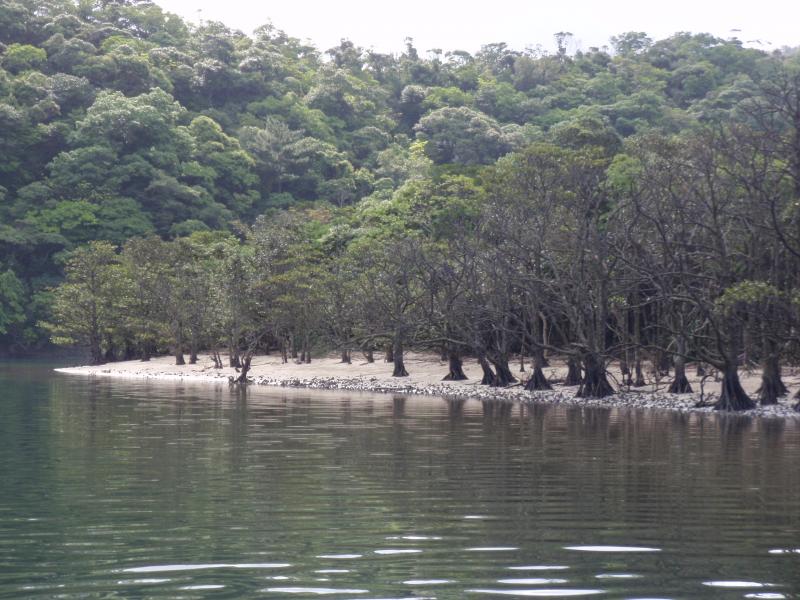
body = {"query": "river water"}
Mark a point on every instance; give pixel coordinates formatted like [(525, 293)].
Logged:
[(134, 489)]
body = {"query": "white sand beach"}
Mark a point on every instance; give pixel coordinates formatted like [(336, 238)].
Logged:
[(425, 377)]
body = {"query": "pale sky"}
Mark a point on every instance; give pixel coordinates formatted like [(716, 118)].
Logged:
[(468, 24)]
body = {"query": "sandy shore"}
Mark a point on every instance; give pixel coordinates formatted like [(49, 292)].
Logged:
[(426, 372)]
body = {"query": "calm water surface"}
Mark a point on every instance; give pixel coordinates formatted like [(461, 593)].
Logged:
[(112, 489)]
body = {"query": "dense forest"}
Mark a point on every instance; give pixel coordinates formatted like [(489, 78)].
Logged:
[(173, 187)]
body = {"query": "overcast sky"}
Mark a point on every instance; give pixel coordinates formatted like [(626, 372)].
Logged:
[(468, 24)]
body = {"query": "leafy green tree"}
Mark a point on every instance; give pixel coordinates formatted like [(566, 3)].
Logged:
[(461, 135), (23, 57), (83, 306)]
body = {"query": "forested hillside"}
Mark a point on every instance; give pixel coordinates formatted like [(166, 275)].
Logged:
[(122, 124)]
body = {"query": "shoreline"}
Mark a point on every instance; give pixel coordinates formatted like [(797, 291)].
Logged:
[(425, 380)]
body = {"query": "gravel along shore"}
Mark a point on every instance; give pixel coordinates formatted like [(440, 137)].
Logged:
[(426, 372)]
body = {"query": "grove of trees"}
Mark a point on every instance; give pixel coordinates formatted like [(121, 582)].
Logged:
[(186, 188)]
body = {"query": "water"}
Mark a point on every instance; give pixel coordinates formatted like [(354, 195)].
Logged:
[(112, 489)]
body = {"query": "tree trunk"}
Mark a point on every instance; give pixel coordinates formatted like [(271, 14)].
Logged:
[(700, 370), (129, 350), (233, 355), (193, 350), (369, 355), (772, 386), (637, 351), (594, 384), (573, 372), (95, 351), (545, 340), (284, 352), (145, 352), (245, 368), (639, 375), (488, 374), (733, 396), (178, 350), (346, 356), (111, 352), (503, 374), (663, 363), (537, 381), (307, 349), (456, 367), (680, 384), (389, 353), (397, 356), (626, 372)]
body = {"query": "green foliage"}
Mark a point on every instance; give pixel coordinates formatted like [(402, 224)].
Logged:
[(23, 57), (120, 120), (85, 307), (462, 135), (748, 295), (12, 301)]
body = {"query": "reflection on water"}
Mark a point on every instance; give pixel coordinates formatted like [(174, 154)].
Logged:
[(137, 489)]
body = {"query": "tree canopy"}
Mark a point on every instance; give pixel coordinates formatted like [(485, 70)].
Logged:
[(469, 202)]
